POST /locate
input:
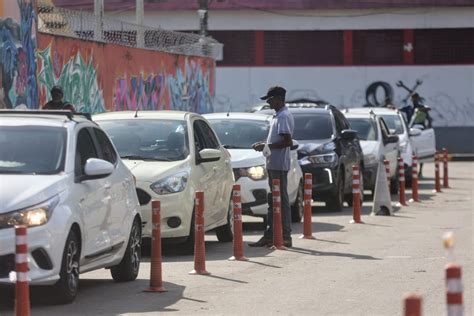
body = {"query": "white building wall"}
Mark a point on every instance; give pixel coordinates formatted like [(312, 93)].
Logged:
[(449, 90)]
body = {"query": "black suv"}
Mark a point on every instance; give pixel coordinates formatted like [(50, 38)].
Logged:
[(328, 149)]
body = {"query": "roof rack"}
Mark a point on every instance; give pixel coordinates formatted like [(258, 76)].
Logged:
[(70, 115)]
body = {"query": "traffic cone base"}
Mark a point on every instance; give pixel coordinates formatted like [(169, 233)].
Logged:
[(356, 222), (278, 248), (306, 237), (156, 290), (234, 258), (382, 199), (199, 272)]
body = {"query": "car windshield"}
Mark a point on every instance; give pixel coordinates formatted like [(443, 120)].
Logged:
[(149, 139), (365, 128), (239, 133), (394, 122), (312, 127), (32, 149)]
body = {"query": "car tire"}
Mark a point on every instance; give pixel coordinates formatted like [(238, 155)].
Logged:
[(68, 284), (187, 247), (225, 233), (336, 203), (127, 269), (297, 209)]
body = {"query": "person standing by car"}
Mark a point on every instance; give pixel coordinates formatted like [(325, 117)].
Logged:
[(279, 142), (57, 102)]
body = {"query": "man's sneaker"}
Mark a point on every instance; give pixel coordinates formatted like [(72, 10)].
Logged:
[(287, 242), (263, 242)]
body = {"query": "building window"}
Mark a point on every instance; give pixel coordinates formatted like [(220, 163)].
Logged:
[(378, 47), (444, 46), (239, 47), (303, 48)]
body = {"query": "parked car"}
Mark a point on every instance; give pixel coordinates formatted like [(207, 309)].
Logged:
[(328, 149), (238, 131), (65, 182), (412, 140), (173, 154), (377, 145)]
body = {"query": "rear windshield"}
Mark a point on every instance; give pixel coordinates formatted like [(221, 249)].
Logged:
[(366, 128), (32, 149), (312, 126)]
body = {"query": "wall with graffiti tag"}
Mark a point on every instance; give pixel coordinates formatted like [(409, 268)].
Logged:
[(104, 77), (18, 87)]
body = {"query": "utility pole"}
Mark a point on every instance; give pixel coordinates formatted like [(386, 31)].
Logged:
[(202, 12), (140, 13)]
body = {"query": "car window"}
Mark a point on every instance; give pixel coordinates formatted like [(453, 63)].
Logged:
[(32, 149), (365, 127), (149, 139), (106, 148), (206, 135), (394, 122), (384, 129), (312, 126), (85, 149), (239, 133)]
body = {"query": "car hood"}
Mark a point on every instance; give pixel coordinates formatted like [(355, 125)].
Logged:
[(312, 146), (151, 171), (369, 147), (22, 191), (243, 158)]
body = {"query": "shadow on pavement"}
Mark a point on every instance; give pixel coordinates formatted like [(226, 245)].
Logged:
[(330, 253)]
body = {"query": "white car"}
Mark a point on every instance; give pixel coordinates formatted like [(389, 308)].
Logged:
[(377, 145), (412, 140), (173, 154), (237, 132), (62, 178)]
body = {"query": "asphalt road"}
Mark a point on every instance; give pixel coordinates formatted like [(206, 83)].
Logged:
[(350, 269)]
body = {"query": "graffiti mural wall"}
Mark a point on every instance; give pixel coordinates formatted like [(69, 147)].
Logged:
[(104, 77), (18, 87)]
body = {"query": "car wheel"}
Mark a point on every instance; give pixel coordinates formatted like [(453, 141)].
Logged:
[(127, 269), (336, 202), (68, 284), (225, 233), (188, 246), (297, 209)]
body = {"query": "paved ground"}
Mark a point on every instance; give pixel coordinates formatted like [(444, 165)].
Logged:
[(350, 269)]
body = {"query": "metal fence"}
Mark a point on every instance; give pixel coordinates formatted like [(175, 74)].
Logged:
[(86, 26)]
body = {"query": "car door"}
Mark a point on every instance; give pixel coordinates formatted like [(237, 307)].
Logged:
[(207, 174), (118, 218), (349, 152), (425, 144), (391, 150), (93, 199)]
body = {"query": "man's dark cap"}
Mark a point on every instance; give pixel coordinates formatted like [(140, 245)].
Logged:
[(275, 91), (57, 89)]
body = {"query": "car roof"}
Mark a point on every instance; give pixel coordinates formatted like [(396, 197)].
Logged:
[(239, 115), (42, 118), (125, 115), (376, 110)]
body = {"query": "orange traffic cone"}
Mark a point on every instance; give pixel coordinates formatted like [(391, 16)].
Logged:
[(308, 214), (238, 238), (156, 278), (199, 243), (356, 195), (22, 290), (412, 305), (277, 225)]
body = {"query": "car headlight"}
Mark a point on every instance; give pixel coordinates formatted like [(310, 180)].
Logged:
[(254, 173), (172, 184), (36, 215), (370, 159), (323, 159)]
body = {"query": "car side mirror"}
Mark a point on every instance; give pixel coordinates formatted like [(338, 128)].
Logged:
[(348, 134), (208, 155), (415, 131), (391, 139), (96, 169)]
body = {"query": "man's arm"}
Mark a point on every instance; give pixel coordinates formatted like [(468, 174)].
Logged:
[(285, 142)]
